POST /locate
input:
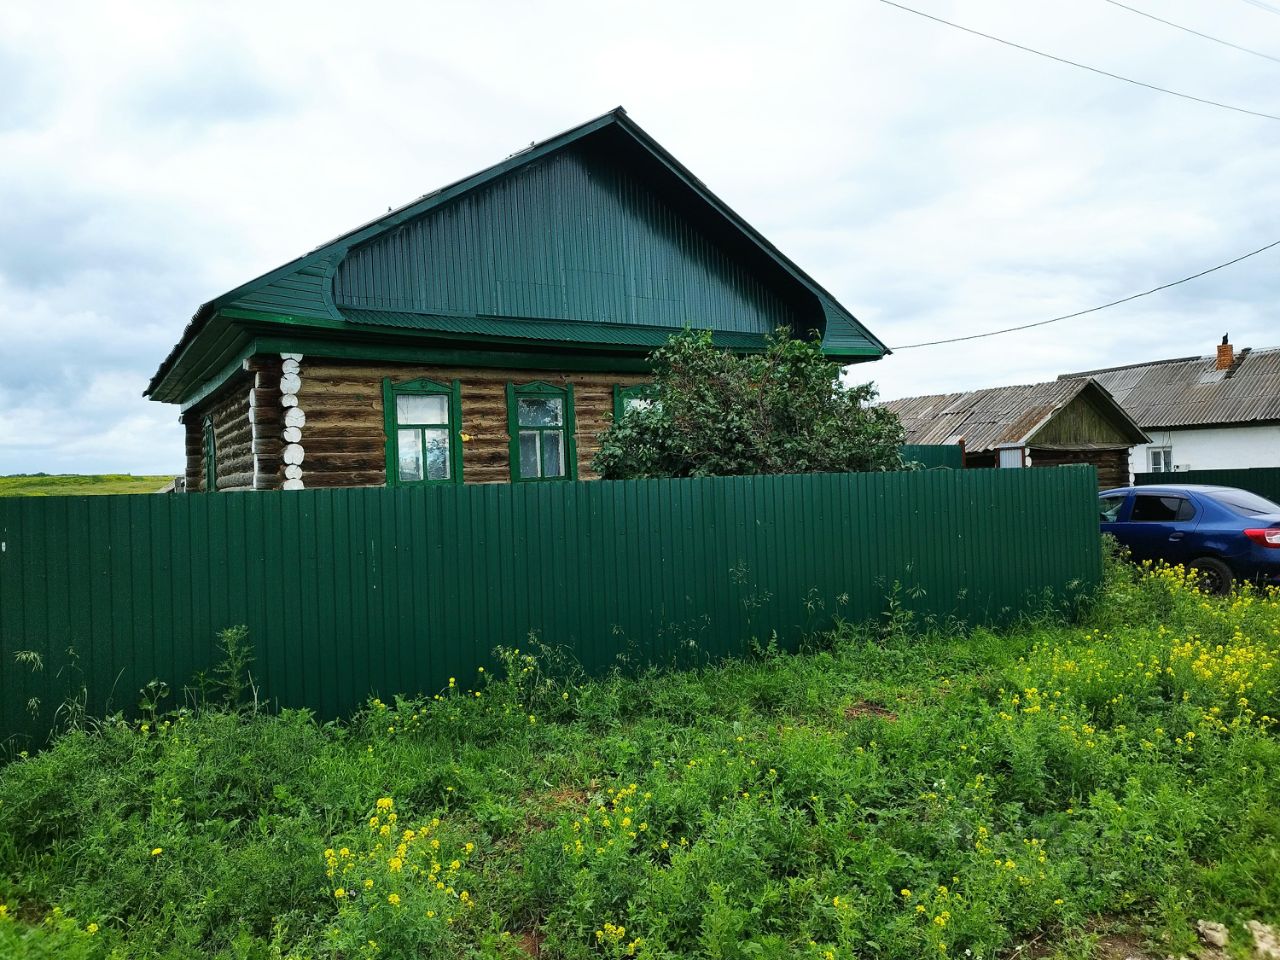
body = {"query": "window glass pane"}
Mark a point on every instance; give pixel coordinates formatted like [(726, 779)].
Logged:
[(410, 444), (1185, 511), (1109, 508), (540, 411), (1154, 508), (1245, 503), (552, 454), (529, 453), (437, 454), (414, 409)]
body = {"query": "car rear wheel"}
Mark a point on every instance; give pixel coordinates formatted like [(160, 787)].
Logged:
[(1214, 576)]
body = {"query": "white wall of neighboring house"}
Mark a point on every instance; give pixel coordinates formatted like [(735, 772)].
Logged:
[(1212, 448)]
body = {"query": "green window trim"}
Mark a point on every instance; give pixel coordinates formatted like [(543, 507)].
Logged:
[(621, 394), (567, 429), (210, 442), (393, 426)]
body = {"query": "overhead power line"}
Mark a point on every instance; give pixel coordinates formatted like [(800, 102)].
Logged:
[(1178, 26), (1081, 313), (1264, 6), (1083, 66)]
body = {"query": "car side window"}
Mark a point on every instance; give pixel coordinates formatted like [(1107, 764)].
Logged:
[(1161, 508), (1109, 508)]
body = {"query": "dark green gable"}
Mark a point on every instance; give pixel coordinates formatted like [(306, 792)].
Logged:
[(589, 248)]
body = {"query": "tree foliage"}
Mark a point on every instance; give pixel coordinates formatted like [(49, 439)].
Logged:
[(714, 413)]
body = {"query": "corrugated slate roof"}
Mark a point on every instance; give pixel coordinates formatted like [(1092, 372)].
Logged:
[(985, 419), (1191, 392)]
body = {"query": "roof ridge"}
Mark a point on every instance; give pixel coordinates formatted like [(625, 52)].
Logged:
[(1251, 351), (1129, 366), (1009, 386)]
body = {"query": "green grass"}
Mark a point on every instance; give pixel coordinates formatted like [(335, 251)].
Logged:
[(882, 794), (77, 485)]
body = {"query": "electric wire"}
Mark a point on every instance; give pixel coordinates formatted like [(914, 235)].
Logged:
[(1264, 6), (1178, 26), (1083, 66), (1081, 313)]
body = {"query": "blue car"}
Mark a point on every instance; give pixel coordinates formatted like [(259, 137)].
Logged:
[(1225, 533)]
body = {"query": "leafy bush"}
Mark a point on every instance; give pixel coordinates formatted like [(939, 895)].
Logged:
[(715, 413)]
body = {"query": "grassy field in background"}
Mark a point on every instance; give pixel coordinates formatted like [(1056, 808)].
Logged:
[(77, 485), (890, 793)]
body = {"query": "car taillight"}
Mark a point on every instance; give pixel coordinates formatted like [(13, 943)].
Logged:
[(1269, 537)]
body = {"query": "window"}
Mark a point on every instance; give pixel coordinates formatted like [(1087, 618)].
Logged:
[(1109, 508), (1161, 508), (423, 419), (1160, 459), (540, 422), (638, 397), (1245, 503), (1011, 457), (210, 444)]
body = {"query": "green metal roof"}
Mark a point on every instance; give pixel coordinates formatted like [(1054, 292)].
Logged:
[(559, 331), (595, 236)]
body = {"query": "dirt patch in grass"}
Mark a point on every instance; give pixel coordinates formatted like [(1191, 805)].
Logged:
[(1114, 945), (867, 708), (530, 943), (568, 796)]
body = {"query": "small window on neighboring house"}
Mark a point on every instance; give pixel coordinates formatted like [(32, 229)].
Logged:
[(1011, 457), (210, 444), (1161, 459), (637, 397), (540, 422), (423, 423)]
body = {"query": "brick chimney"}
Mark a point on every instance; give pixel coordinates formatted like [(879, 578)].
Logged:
[(1225, 354)]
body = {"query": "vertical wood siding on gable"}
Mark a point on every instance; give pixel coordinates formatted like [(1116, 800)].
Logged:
[(345, 438), (572, 237)]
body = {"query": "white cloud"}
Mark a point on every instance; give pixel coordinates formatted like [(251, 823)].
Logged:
[(938, 184)]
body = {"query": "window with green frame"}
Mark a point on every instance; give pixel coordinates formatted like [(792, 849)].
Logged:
[(423, 421), (638, 396), (541, 426), (210, 444)]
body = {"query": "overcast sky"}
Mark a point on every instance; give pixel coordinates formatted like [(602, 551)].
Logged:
[(154, 156)]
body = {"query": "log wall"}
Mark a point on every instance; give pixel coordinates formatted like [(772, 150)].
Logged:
[(345, 441), (247, 429)]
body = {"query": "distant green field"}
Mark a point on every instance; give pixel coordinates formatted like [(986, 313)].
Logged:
[(77, 485)]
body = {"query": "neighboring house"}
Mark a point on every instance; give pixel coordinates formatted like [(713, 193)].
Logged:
[(1036, 425), (487, 331), (1203, 413)]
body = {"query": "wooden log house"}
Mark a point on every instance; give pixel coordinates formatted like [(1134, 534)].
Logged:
[(487, 332), (1030, 425)]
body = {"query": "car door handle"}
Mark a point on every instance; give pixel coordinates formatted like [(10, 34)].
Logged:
[(1174, 537)]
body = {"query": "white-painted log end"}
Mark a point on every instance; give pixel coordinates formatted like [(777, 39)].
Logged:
[(290, 366), (292, 485), (290, 383), (290, 356), (293, 472), (293, 453), (294, 417), (292, 435)]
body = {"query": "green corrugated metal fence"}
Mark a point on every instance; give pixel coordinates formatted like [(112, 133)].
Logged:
[(1264, 481), (349, 593), (934, 454)]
